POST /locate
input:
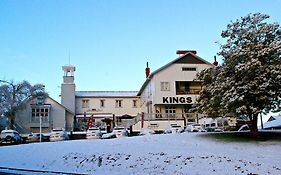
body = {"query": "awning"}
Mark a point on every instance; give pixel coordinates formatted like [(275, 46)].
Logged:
[(94, 115), (126, 116)]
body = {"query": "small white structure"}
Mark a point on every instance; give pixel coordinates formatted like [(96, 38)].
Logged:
[(274, 122), (226, 123)]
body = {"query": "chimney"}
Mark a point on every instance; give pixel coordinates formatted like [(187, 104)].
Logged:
[(147, 70), (182, 52), (215, 61)]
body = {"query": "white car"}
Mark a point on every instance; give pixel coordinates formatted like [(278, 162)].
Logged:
[(58, 135), (108, 136), (103, 130), (120, 131), (10, 136), (146, 132), (194, 128), (174, 129), (93, 133), (35, 137)]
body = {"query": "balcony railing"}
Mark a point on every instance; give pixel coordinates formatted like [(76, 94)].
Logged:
[(168, 116)]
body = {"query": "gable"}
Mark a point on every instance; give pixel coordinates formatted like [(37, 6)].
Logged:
[(189, 59)]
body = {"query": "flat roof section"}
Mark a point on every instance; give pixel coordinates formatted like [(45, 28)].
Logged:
[(106, 93)]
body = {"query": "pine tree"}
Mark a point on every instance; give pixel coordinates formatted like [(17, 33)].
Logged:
[(249, 80)]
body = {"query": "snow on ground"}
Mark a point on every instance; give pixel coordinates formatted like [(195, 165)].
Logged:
[(178, 154)]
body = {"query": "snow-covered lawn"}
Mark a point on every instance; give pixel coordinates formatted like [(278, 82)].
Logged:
[(185, 153)]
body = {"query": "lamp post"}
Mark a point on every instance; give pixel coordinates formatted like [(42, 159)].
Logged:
[(40, 129), (40, 105)]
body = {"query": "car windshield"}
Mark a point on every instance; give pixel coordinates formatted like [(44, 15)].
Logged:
[(93, 129), (119, 128), (57, 130)]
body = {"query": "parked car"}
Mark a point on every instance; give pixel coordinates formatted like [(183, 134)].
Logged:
[(58, 135), (120, 131), (214, 129), (244, 128), (93, 133), (218, 130), (10, 137), (147, 132), (194, 128), (174, 129), (108, 136), (103, 130), (35, 137)]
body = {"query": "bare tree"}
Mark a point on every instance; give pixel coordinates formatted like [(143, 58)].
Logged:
[(13, 96)]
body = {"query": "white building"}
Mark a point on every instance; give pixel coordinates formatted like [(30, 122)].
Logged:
[(106, 108), (169, 92), (164, 98), (52, 114)]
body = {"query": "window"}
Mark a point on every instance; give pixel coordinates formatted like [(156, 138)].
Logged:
[(188, 87), (191, 120), (85, 103), (118, 103), (189, 68), (102, 103), (165, 86), (36, 112), (134, 103), (170, 111)]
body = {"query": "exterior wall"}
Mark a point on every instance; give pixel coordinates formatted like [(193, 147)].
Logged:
[(152, 98), (109, 105), (147, 97), (69, 121), (58, 116), (68, 93), (172, 74)]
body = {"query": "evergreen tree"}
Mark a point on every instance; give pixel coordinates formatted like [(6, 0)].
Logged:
[(249, 80)]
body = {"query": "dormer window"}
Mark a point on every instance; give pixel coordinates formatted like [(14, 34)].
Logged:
[(40, 100)]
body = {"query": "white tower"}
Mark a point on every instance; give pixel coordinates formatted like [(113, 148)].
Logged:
[(68, 88)]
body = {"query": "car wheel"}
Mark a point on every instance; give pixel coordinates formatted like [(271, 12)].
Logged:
[(9, 139)]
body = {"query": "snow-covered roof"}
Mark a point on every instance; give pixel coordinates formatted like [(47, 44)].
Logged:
[(106, 93), (273, 122)]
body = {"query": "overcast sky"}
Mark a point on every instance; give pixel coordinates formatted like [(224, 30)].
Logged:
[(110, 41)]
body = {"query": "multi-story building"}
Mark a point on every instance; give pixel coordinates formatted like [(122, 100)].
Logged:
[(164, 98), (105, 108), (169, 92)]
